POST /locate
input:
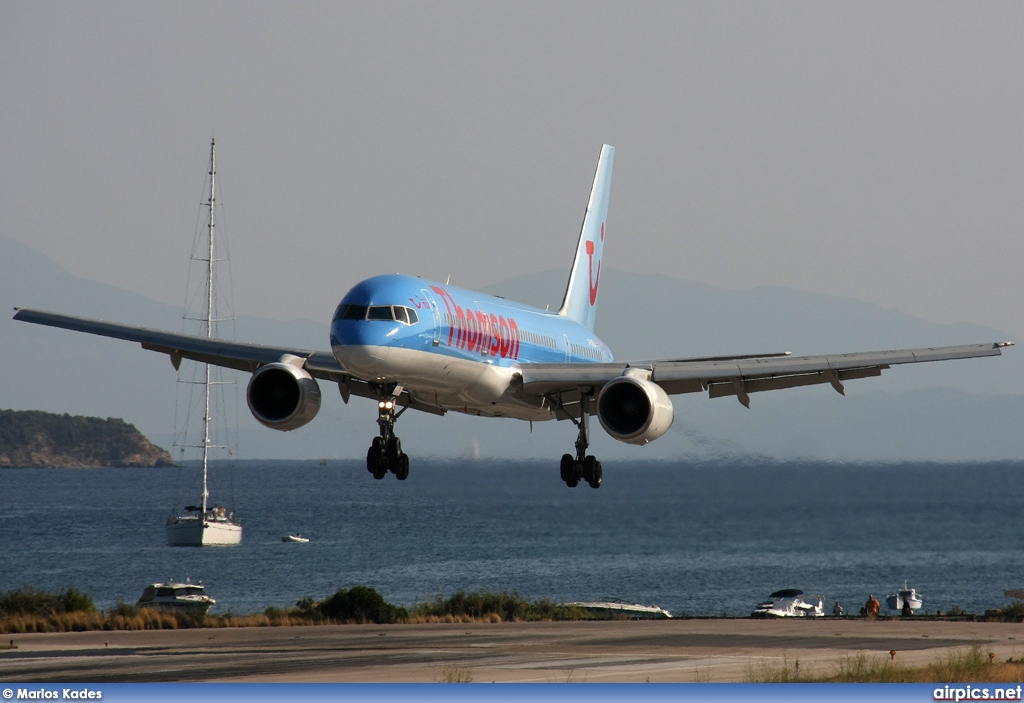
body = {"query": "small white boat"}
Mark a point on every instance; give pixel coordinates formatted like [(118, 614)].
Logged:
[(790, 603), (185, 597), (295, 538), (904, 595), (631, 611)]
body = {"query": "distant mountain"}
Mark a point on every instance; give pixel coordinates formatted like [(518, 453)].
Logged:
[(31, 439), (943, 411)]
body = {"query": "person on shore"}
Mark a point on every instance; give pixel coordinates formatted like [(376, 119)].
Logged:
[(872, 607), (906, 612), (837, 610)]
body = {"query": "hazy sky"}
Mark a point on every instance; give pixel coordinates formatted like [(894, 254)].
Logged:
[(871, 150)]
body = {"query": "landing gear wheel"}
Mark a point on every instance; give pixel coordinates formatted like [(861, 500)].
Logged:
[(402, 470), (568, 468), (375, 457), (592, 471), (394, 451)]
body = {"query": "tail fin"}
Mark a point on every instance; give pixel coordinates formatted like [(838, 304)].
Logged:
[(580, 302)]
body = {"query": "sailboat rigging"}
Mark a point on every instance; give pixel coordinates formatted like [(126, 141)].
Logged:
[(205, 524)]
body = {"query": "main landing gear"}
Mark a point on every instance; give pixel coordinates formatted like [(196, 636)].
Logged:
[(582, 466), (385, 454)]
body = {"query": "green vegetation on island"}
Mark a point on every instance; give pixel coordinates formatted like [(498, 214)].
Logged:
[(36, 439)]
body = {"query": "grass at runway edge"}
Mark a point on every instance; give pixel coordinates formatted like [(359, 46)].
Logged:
[(28, 610), (965, 665)]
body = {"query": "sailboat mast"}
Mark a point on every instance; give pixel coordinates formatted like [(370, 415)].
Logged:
[(209, 322)]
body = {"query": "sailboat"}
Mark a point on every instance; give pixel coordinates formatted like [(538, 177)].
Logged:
[(205, 524)]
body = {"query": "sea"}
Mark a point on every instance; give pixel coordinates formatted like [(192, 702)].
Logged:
[(699, 539)]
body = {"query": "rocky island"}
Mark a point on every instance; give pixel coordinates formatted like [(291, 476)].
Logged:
[(36, 439)]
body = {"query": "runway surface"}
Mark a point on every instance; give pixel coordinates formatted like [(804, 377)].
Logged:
[(621, 651)]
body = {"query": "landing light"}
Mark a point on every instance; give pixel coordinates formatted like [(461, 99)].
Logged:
[(385, 405)]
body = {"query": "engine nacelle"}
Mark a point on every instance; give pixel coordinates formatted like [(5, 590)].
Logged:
[(282, 396), (634, 410)]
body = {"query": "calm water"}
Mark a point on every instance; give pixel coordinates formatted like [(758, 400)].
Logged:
[(699, 539)]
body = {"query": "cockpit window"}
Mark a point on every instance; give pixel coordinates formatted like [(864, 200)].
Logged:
[(399, 313), (380, 312), (352, 312)]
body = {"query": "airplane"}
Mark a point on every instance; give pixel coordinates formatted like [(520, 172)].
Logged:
[(409, 343)]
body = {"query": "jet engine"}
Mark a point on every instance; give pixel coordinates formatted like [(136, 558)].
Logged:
[(634, 410), (283, 396)]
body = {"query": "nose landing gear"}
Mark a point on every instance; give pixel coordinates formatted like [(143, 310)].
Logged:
[(385, 453)]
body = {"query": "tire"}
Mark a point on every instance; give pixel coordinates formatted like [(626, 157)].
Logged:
[(373, 457), (596, 473), (393, 454), (568, 468), (588, 468), (402, 470)]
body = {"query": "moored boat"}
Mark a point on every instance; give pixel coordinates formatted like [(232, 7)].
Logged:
[(904, 595), (185, 597), (204, 524), (790, 603), (619, 609)]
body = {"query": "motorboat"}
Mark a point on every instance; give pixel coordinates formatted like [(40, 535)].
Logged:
[(185, 597), (617, 609), (904, 595), (295, 538), (790, 603)]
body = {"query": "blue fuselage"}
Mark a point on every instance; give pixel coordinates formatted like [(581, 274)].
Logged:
[(432, 337)]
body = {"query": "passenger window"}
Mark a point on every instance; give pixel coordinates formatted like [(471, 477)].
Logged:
[(380, 312), (354, 312), (401, 315), (413, 317)]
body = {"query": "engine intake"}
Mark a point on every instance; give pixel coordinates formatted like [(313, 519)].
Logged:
[(634, 410), (282, 396)]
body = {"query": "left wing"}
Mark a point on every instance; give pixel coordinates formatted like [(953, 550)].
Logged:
[(736, 376), (219, 352)]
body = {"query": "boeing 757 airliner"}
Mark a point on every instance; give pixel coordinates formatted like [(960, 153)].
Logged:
[(410, 343)]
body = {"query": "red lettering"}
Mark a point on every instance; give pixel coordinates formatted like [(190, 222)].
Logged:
[(444, 299), (506, 341), (481, 320), (514, 330), (472, 331), (495, 342)]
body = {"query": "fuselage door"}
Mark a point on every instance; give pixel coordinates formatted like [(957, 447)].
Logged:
[(437, 315)]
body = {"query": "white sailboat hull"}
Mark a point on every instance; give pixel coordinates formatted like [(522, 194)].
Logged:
[(191, 532)]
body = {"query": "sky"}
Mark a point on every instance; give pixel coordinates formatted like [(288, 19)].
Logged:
[(868, 150)]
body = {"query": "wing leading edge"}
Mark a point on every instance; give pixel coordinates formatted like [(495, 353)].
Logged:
[(241, 356), (741, 376)]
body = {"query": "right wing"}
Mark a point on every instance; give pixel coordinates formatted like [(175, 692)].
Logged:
[(219, 352), (737, 376)]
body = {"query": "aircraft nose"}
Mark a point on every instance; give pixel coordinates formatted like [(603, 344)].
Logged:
[(360, 346)]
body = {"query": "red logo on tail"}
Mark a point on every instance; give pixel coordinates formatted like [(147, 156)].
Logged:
[(594, 280)]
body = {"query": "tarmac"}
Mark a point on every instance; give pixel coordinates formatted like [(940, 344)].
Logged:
[(701, 650)]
